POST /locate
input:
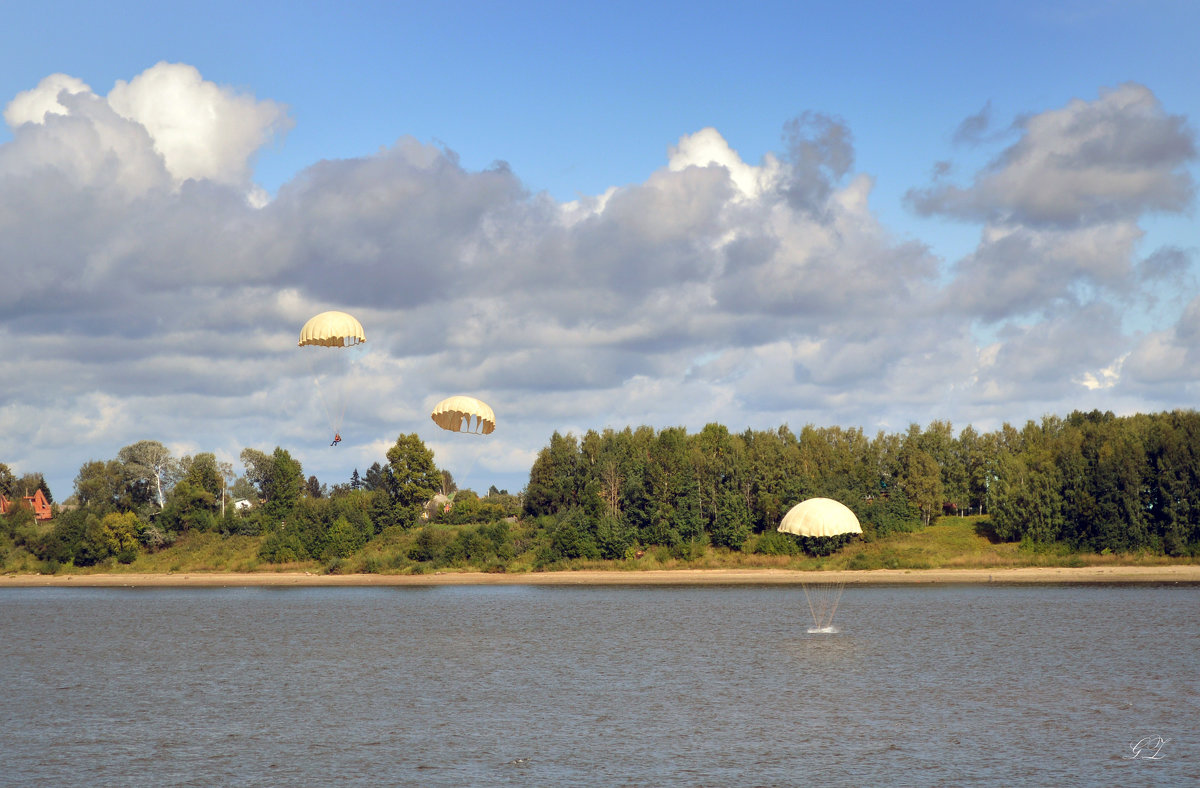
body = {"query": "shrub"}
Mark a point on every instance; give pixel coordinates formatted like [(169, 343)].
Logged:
[(572, 538), (430, 544), (342, 539), (776, 543)]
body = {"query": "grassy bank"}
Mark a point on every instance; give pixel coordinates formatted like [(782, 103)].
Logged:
[(950, 543)]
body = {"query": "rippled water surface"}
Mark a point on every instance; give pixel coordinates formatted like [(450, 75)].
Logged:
[(514, 685)]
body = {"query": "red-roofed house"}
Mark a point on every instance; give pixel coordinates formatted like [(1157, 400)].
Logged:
[(37, 502)]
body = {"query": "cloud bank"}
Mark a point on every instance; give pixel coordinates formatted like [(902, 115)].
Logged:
[(153, 291)]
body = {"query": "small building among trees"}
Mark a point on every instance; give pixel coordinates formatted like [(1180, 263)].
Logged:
[(37, 502)]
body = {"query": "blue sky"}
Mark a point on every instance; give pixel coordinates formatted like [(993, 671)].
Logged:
[(575, 101)]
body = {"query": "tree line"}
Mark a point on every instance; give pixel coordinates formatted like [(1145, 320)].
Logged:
[(1090, 482), (145, 500)]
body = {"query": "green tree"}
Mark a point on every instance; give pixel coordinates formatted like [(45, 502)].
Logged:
[(102, 484), (150, 463), (342, 539), (7, 481), (921, 482), (258, 467), (1173, 459), (204, 472), (731, 527), (113, 535), (282, 485), (668, 481), (1028, 502), (189, 507), (376, 477), (976, 453), (414, 478), (555, 480), (19, 518), (313, 488), (572, 536), (243, 489)]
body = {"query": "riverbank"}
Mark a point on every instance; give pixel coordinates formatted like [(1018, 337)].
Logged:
[(1177, 573)]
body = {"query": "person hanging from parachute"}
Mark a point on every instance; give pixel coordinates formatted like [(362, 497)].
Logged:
[(336, 330)]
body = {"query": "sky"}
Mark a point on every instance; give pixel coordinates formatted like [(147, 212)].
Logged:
[(590, 216)]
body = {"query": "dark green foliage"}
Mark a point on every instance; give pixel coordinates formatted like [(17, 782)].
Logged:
[(614, 536), (482, 546), (881, 515), (776, 543), (554, 483), (731, 526), (203, 474), (573, 536), (824, 545), (283, 484), (283, 546), (376, 478), (618, 489), (1092, 481), (470, 508), (412, 479), (1099, 482), (19, 518), (342, 539), (103, 485), (7, 480), (431, 544), (188, 508)]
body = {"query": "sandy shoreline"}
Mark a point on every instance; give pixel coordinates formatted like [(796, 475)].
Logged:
[(1176, 573)]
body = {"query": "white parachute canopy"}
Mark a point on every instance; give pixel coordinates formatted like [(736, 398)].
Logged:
[(469, 416), (332, 329), (464, 414), (821, 518)]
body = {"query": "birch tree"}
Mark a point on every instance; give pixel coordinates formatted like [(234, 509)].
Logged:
[(150, 461)]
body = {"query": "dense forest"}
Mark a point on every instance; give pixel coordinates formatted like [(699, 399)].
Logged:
[(1092, 482)]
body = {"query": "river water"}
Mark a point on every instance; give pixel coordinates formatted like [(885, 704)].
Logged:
[(639, 686)]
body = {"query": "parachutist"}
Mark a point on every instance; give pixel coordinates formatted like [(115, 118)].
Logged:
[(336, 331)]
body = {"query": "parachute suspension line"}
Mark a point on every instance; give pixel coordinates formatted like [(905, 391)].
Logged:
[(823, 600), (472, 454), (335, 424), (816, 521)]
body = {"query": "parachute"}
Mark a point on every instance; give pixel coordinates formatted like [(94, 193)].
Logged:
[(821, 518), (464, 414), (332, 329), (336, 331)]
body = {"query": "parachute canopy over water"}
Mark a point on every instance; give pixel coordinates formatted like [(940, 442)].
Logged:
[(464, 414), (820, 517), (332, 329)]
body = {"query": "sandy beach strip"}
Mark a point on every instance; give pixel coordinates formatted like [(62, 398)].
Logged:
[(1174, 573)]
